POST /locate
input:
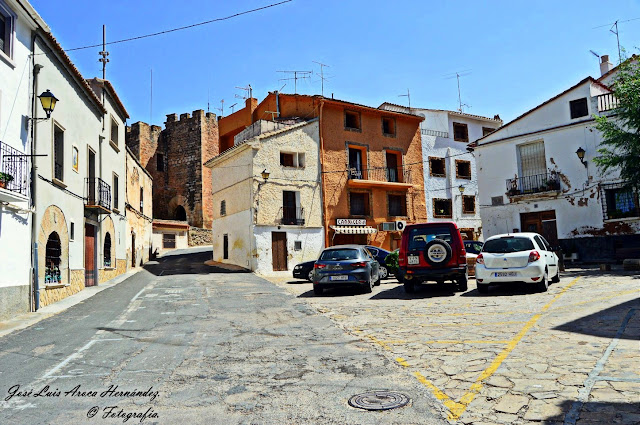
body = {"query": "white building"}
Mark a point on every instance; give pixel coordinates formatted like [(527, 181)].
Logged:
[(16, 67), (450, 181), (268, 224), (530, 177)]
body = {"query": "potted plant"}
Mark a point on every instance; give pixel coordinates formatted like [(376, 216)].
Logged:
[(4, 179)]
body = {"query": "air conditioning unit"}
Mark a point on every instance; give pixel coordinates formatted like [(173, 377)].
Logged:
[(393, 226), (400, 225)]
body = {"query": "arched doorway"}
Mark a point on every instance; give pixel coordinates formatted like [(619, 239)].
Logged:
[(107, 250), (52, 257), (180, 213)]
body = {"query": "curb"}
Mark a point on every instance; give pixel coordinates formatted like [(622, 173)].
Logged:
[(25, 320)]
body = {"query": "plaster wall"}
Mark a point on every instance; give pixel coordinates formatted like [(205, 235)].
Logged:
[(138, 224), (312, 245), (238, 228), (182, 239)]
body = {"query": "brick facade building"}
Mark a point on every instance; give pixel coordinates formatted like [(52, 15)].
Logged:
[(174, 157)]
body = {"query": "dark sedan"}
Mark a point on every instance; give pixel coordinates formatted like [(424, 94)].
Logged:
[(304, 270), (346, 265), (380, 255)]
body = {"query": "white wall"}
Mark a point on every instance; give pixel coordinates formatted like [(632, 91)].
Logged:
[(312, 245), (239, 230), (182, 239)]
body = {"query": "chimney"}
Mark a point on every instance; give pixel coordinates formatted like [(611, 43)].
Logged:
[(605, 65)]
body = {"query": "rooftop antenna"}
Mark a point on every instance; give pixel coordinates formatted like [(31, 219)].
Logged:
[(221, 108), (616, 32), (408, 96), (248, 90), (208, 100), (232, 106), (104, 53), (151, 99), (322, 65), (296, 75), (596, 55), (457, 76)]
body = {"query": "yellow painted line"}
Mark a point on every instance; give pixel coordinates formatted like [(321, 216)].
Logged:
[(402, 362), (513, 322), (379, 342), (466, 341), (472, 314)]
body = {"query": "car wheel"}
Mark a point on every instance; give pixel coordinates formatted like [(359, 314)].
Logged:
[(368, 287), (384, 273), (462, 282), (556, 278), (543, 285), (310, 276), (317, 290), (483, 288), (377, 282)]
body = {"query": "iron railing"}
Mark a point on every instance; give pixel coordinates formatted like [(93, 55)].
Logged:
[(14, 166), (546, 182), (391, 175), (619, 201), (97, 193), (429, 132), (607, 102), (291, 216)]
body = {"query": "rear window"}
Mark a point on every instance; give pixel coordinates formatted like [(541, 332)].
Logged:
[(473, 247), (339, 254), (420, 236), (505, 245)]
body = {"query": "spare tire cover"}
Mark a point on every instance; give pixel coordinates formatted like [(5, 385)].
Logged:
[(437, 252)]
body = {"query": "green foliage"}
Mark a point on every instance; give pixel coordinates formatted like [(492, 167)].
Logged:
[(6, 177), (620, 148), (392, 262)]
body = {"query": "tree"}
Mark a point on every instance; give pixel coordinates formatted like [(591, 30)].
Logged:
[(620, 147)]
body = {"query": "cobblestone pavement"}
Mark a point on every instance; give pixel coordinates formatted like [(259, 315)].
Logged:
[(567, 356)]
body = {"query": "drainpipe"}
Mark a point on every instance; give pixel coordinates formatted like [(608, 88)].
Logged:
[(324, 198), (35, 284)]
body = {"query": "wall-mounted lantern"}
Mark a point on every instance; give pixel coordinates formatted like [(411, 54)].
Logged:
[(48, 102), (265, 175), (580, 152)]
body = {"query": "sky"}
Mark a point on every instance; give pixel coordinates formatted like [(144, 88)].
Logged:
[(513, 55)]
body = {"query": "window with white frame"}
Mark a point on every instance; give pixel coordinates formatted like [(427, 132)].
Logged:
[(7, 23), (532, 159)]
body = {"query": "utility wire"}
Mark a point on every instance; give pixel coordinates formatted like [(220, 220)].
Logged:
[(182, 28)]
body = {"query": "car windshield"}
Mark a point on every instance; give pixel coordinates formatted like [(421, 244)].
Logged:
[(339, 254), (420, 236), (473, 247), (507, 244)]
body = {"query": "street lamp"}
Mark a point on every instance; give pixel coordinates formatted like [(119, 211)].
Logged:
[(461, 189), (265, 175), (580, 152), (48, 101)]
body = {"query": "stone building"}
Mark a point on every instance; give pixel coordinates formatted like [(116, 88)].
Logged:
[(174, 158), (139, 208)]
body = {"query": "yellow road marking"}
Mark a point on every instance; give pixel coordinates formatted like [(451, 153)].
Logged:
[(466, 341), (472, 324), (472, 314)]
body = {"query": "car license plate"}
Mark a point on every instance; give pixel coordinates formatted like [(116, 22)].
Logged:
[(506, 274), (342, 277), (414, 259)]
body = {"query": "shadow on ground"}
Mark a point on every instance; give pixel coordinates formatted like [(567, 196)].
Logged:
[(595, 413), (185, 263), (607, 323)]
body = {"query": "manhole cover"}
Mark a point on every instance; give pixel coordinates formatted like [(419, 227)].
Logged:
[(378, 400)]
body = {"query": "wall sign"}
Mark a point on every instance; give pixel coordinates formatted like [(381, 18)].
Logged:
[(351, 221)]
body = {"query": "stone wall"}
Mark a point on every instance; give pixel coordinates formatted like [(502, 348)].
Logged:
[(199, 236)]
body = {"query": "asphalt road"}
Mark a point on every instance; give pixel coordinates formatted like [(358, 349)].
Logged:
[(182, 342)]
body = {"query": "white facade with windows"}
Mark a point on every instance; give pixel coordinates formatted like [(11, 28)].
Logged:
[(268, 225), (448, 165), (531, 179)]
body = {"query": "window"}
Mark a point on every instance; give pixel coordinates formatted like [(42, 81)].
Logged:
[(487, 130), (468, 204), (442, 208), (460, 132), (297, 245), (497, 200), (115, 191), (291, 213), (58, 153), (7, 20), (72, 231), (351, 120), (356, 167), (107, 250), (292, 159), (532, 159), (359, 203), (114, 132), (388, 126), (620, 202), (141, 201), (578, 108), (160, 162), (52, 260), (168, 240), (463, 169), (223, 208), (397, 205), (437, 167), (393, 161)]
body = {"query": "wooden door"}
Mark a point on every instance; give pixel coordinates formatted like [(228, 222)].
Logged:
[(89, 255), (279, 251), (133, 250), (543, 222)]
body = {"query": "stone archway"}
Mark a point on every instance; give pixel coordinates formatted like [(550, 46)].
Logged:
[(108, 228), (180, 213), (176, 202)]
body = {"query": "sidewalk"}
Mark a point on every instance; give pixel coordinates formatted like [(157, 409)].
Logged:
[(27, 319)]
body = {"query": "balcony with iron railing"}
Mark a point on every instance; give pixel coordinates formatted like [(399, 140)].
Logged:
[(292, 216), (14, 174), (382, 177), (607, 102), (97, 196), (531, 185)]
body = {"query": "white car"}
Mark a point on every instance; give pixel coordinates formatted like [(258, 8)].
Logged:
[(516, 257)]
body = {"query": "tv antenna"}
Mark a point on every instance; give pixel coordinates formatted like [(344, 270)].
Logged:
[(104, 53), (596, 55), (296, 75), (221, 108), (232, 106), (322, 65), (408, 96), (248, 91), (457, 76), (616, 32)]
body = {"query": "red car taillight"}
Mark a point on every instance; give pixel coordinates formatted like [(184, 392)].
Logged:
[(402, 260), (480, 259), (359, 264), (534, 256), (319, 266)]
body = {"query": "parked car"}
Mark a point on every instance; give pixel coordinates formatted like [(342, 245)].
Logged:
[(380, 255), (345, 265), (519, 257), (304, 270), (473, 248), (432, 252)]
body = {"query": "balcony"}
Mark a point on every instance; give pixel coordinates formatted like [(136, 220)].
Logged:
[(607, 102), (292, 216), (14, 180), (97, 197), (399, 178), (529, 185)]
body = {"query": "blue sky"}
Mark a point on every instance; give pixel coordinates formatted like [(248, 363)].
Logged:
[(519, 53)]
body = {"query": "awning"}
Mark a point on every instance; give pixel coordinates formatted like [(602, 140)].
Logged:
[(352, 230)]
